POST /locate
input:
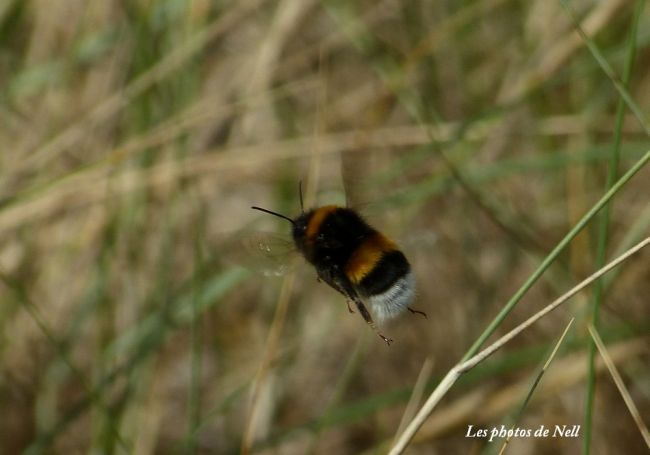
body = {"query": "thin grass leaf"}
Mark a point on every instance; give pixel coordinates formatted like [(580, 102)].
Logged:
[(603, 228), (535, 383)]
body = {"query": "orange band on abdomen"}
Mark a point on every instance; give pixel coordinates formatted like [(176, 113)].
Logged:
[(367, 255)]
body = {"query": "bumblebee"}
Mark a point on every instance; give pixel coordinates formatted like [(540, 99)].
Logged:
[(355, 259)]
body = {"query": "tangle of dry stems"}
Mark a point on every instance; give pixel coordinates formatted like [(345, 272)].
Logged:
[(452, 376)]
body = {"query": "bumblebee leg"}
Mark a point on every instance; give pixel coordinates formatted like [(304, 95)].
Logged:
[(349, 309), (366, 316), (417, 312)]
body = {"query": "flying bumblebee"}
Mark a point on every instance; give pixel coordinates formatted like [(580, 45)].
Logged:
[(355, 259)]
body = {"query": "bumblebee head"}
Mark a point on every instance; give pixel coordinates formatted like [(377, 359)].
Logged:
[(299, 224), (299, 230)]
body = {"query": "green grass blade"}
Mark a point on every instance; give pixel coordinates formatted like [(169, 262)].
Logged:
[(555, 253), (603, 233), (606, 67)]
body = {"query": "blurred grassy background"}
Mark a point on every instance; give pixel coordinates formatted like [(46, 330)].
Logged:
[(136, 135)]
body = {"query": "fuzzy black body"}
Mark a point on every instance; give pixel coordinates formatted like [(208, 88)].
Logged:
[(355, 259)]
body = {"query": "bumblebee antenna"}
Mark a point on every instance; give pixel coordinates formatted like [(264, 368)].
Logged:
[(274, 213), (302, 207)]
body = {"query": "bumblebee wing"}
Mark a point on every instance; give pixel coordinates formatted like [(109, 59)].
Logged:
[(263, 252)]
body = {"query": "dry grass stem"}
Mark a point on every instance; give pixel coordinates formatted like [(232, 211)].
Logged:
[(271, 346), (416, 396), (618, 380)]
